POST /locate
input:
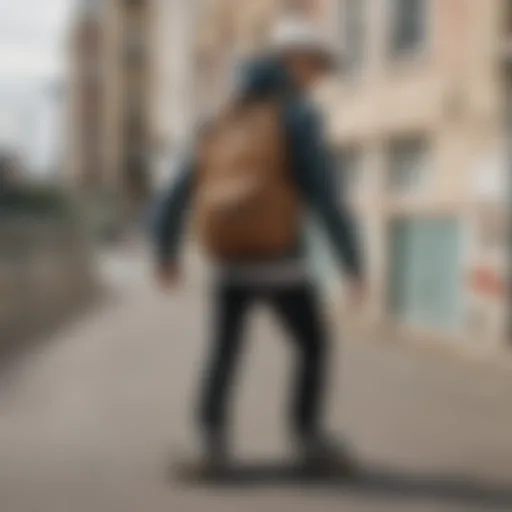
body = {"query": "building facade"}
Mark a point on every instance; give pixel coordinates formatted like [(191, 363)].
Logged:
[(110, 122), (173, 108), (417, 119), (85, 164)]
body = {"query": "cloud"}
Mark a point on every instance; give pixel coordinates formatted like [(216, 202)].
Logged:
[(18, 62), (31, 36), (48, 16)]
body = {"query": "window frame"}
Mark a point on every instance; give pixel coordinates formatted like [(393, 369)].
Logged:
[(424, 44)]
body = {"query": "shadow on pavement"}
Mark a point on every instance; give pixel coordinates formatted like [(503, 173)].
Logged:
[(383, 483)]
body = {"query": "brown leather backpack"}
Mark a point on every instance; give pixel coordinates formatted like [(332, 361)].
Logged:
[(246, 203)]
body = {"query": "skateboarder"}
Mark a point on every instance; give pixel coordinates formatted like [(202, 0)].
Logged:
[(256, 169)]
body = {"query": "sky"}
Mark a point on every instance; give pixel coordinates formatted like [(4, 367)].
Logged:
[(32, 56)]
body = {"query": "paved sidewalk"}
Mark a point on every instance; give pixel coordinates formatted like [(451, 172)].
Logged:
[(92, 420)]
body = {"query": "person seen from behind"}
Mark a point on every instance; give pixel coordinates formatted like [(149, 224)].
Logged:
[(256, 170)]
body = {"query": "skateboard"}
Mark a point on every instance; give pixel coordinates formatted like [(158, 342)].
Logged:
[(194, 470)]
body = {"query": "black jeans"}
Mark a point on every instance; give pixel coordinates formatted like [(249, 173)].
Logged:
[(297, 306)]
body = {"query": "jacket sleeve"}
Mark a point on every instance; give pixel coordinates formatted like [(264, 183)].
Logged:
[(170, 213), (314, 170)]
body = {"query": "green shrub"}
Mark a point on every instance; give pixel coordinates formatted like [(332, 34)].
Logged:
[(36, 201)]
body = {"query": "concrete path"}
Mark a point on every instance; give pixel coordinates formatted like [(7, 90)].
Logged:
[(93, 419)]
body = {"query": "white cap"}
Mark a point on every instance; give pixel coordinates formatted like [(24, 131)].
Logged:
[(297, 34)]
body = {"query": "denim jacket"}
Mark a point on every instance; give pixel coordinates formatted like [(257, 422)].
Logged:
[(313, 169)]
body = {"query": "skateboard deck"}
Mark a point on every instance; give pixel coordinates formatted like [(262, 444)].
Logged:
[(194, 470)]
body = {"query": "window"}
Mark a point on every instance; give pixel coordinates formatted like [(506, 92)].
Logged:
[(353, 23), (409, 165), (134, 55), (409, 25), (135, 48)]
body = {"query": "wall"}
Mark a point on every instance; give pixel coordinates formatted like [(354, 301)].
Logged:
[(448, 91), (46, 274)]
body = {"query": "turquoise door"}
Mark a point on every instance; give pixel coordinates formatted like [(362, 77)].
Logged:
[(425, 274)]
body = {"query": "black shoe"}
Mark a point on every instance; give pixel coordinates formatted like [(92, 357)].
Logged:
[(325, 453), (215, 451)]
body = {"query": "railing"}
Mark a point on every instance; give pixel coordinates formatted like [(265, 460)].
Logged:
[(46, 268)]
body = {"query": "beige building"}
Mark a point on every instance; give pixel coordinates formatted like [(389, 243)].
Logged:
[(85, 167), (110, 125), (417, 117), (173, 107)]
